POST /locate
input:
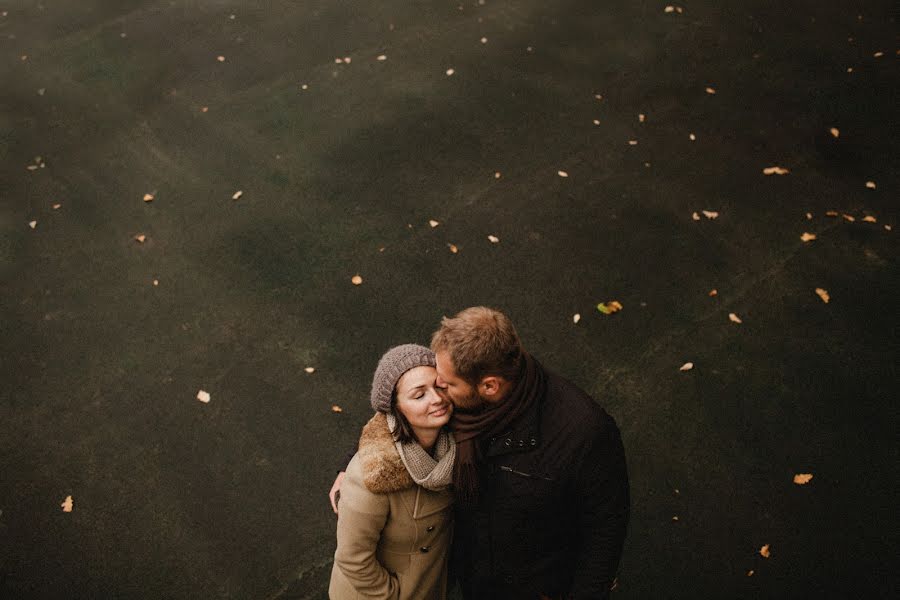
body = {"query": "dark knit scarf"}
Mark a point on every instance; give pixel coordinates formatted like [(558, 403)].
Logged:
[(491, 420)]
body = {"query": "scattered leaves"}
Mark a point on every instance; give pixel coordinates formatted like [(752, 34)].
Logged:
[(692, 137), (710, 214), (807, 237), (140, 238), (831, 213), (67, 504), (750, 573), (734, 318), (776, 170), (220, 58), (562, 173), (802, 478), (632, 142), (870, 219), (494, 239), (32, 224), (450, 72), (237, 194), (823, 294), (686, 366), (356, 280), (148, 197), (382, 57), (835, 132), (336, 408), (58, 205), (576, 317), (695, 216), (713, 293), (310, 370), (710, 90), (871, 185), (433, 223), (642, 117), (203, 397), (453, 248), (608, 308), (764, 551)]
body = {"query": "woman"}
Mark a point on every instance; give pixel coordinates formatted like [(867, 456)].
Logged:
[(394, 516)]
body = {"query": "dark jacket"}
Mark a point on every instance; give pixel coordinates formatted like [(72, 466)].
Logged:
[(553, 508)]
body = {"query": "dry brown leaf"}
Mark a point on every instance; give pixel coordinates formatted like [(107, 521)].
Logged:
[(148, 197), (310, 369), (67, 504), (750, 573), (713, 292), (576, 317), (642, 117), (831, 213), (562, 173), (764, 551), (237, 194), (686, 366), (710, 214), (203, 397), (695, 216), (734, 318), (823, 294), (848, 217), (807, 237), (835, 132), (220, 58), (453, 248), (809, 216), (870, 219), (433, 223), (802, 478), (204, 109), (140, 238), (336, 408), (32, 224), (776, 170), (450, 72), (887, 228), (871, 185), (356, 280), (494, 239), (381, 57), (497, 175), (675, 518), (710, 90)]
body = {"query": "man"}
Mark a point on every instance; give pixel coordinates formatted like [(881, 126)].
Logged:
[(540, 480)]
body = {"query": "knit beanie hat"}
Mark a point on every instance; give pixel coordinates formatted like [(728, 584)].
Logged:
[(391, 367)]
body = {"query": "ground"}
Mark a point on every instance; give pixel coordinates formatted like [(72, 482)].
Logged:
[(388, 140)]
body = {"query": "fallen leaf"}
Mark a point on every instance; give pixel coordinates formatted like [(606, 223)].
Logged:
[(878, 54), (632, 142), (887, 228), (56, 207), (823, 294), (695, 216), (497, 175), (484, 40), (713, 292), (802, 478), (709, 214), (237, 194), (433, 223), (642, 117), (870, 185), (692, 137), (775, 171), (734, 318), (835, 132), (356, 280), (710, 90), (156, 282), (450, 72), (347, 60), (494, 239), (576, 317), (304, 87), (67, 504), (870, 219), (453, 248), (204, 109), (596, 121), (764, 551), (831, 213), (382, 57), (848, 217), (203, 397), (310, 369), (750, 573), (140, 238), (669, 9), (807, 237), (42, 91), (675, 518), (562, 173), (220, 58), (32, 224), (608, 308), (148, 197), (336, 408), (809, 216), (686, 366)]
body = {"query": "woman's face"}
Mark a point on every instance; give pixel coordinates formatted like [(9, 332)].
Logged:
[(419, 402)]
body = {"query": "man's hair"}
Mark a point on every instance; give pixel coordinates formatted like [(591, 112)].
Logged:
[(481, 341)]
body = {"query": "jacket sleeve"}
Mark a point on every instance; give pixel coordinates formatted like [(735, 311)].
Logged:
[(361, 518), (345, 460), (604, 504)]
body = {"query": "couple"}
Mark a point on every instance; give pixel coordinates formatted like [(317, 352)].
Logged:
[(474, 442)]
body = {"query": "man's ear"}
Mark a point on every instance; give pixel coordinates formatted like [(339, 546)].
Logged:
[(489, 386)]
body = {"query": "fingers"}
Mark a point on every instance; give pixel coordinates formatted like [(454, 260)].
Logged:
[(335, 489)]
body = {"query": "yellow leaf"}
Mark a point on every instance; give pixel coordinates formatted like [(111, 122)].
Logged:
[(807, 237), (709, 214), (148, 197), (576, 317), (336, 408), (608, 308), (713, 293), (823, 294), (776, 170), (203, 397), (835, 132), (710, 90), (450, 72), (764, 551), (802, 478), (453, 248), (140, 238), (695, 216), (67, 504), (870, 185), (310, 369), (237, 194), (870, 219), (433, 223), (848, 217), (494, 239), (734, 318), (686, 366), (356, 280), (562, 173)]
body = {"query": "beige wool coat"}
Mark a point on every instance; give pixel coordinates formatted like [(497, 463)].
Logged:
[(393, 536)]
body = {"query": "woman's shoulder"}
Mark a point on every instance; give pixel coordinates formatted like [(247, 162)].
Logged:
[(378, 466)]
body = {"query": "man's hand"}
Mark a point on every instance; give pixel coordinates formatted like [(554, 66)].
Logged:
[(335, 489)]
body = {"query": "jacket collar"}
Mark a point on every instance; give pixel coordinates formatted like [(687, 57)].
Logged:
[(383, 470)]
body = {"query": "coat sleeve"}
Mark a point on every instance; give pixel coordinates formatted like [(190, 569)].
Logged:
[(361, 518), (603, 511)]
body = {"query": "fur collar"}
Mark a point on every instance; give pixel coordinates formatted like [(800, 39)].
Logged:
[(383, 471)]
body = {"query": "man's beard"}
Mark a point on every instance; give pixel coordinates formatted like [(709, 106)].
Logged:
[(471, 402)]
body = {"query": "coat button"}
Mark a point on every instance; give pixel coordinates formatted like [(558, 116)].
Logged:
[(507, 442), (533, 442), (424, 549), (429, 528)]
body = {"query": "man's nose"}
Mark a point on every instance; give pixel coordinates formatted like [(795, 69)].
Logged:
[(440, 383)]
